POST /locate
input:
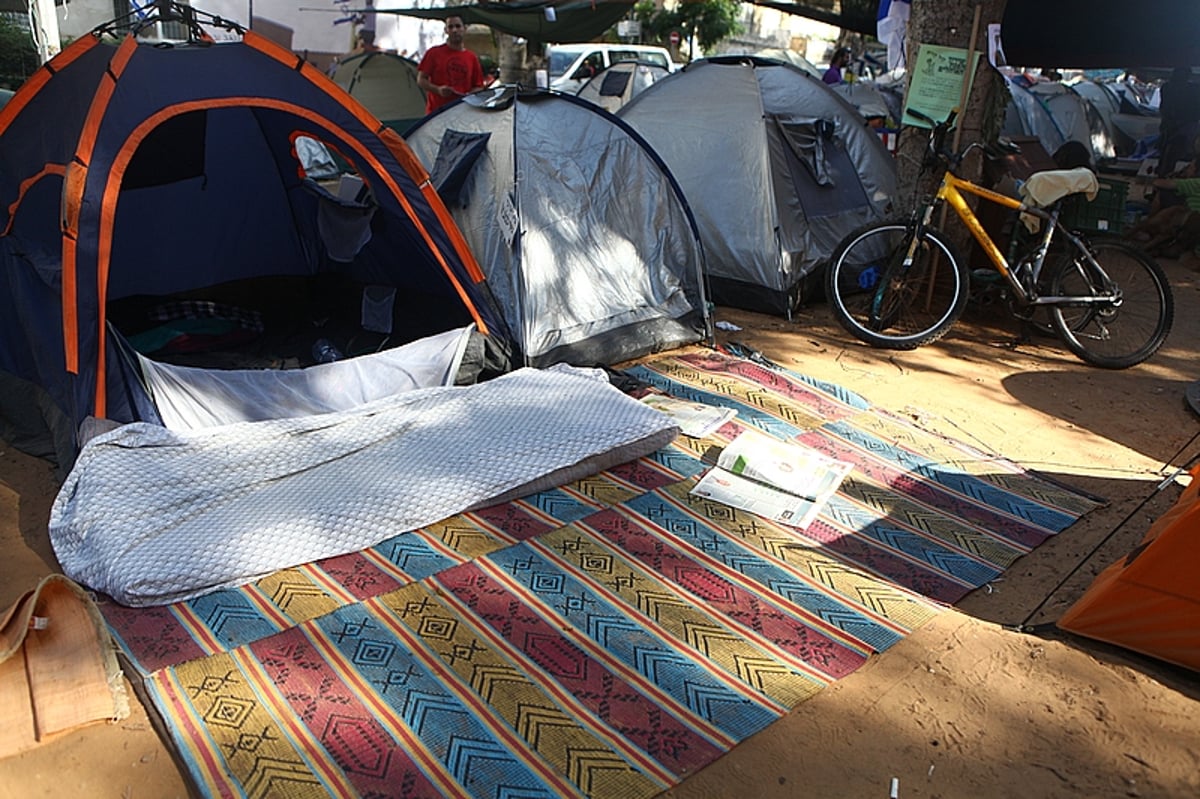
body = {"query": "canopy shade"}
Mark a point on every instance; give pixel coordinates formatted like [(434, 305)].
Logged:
[(853, 15), (573, 20), (1098, 34)]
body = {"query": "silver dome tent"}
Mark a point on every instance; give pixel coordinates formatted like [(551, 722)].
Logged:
[(588, 245)]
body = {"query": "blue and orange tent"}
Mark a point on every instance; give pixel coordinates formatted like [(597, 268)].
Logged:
[(136, 168)]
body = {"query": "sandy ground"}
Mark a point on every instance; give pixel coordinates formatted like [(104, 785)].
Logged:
[(967, 706)]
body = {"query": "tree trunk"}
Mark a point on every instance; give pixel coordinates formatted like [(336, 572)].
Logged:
[(949, 23), (511, 58)]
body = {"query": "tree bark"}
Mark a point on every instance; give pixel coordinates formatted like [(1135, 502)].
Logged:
[(949, 23)]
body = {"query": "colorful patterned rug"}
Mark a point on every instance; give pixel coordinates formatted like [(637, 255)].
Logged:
[(607, 638)]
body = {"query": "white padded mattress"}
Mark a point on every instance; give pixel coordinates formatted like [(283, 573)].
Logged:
[(150, 516)]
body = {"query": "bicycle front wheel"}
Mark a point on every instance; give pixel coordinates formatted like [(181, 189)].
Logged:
[(1123, 331), (887, 303)]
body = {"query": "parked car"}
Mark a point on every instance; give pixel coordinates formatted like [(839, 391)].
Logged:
[(570, 65)]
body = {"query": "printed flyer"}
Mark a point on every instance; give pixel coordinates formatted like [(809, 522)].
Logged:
[(777, 480)]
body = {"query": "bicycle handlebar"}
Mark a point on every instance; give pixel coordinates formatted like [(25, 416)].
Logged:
[(948, 123), (937, 135)]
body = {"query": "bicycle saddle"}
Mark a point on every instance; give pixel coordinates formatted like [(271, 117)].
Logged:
[(1046, 188)]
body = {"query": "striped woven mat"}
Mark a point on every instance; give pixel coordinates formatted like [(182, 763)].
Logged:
[(607, 638)]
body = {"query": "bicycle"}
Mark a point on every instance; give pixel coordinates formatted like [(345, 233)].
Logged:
[(899, 284)]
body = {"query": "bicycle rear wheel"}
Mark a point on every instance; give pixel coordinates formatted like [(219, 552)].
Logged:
[(880, 300), (1113, 334)]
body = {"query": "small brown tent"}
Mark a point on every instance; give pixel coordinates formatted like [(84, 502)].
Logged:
[(1149, 601)]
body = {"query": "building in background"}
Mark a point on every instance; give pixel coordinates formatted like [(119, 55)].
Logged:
[(319, 30), (765, 29)]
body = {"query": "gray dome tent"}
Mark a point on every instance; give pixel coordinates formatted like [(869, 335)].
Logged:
[(1056, 114), (611, 88), (786, 55), (776, 167), (386, 84), (587, 242), (1127, 119), (868, 100), (1106, 104)]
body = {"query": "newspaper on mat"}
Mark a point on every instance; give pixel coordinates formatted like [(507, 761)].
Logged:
[(695, 419), (781, 481)]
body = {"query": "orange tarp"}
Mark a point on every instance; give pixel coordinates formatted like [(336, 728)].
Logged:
[(1149, 601)]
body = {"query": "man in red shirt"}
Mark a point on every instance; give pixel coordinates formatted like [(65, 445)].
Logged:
[(449, 70)]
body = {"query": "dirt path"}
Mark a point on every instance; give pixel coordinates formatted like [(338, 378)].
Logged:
[(966, 706)]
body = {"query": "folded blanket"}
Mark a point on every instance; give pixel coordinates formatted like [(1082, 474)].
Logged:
[(58, 666), (151, 516)]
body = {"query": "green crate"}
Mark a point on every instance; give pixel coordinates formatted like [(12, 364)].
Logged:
[(1105, 214)]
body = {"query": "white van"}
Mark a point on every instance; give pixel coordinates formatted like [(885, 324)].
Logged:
[(570, 65)]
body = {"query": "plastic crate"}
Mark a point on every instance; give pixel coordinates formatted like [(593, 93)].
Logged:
[(1105, 214)]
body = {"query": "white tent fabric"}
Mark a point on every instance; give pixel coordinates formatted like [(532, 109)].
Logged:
[(190, 398), (891, 28), (152, 516), (315, 157)]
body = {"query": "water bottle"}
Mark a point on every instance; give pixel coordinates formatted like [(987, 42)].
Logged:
[(325, 351)]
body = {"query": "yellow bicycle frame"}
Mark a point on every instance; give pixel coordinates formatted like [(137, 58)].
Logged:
[(951, 191)]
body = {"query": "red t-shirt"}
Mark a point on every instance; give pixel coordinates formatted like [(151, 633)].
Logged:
[(459, 69)]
